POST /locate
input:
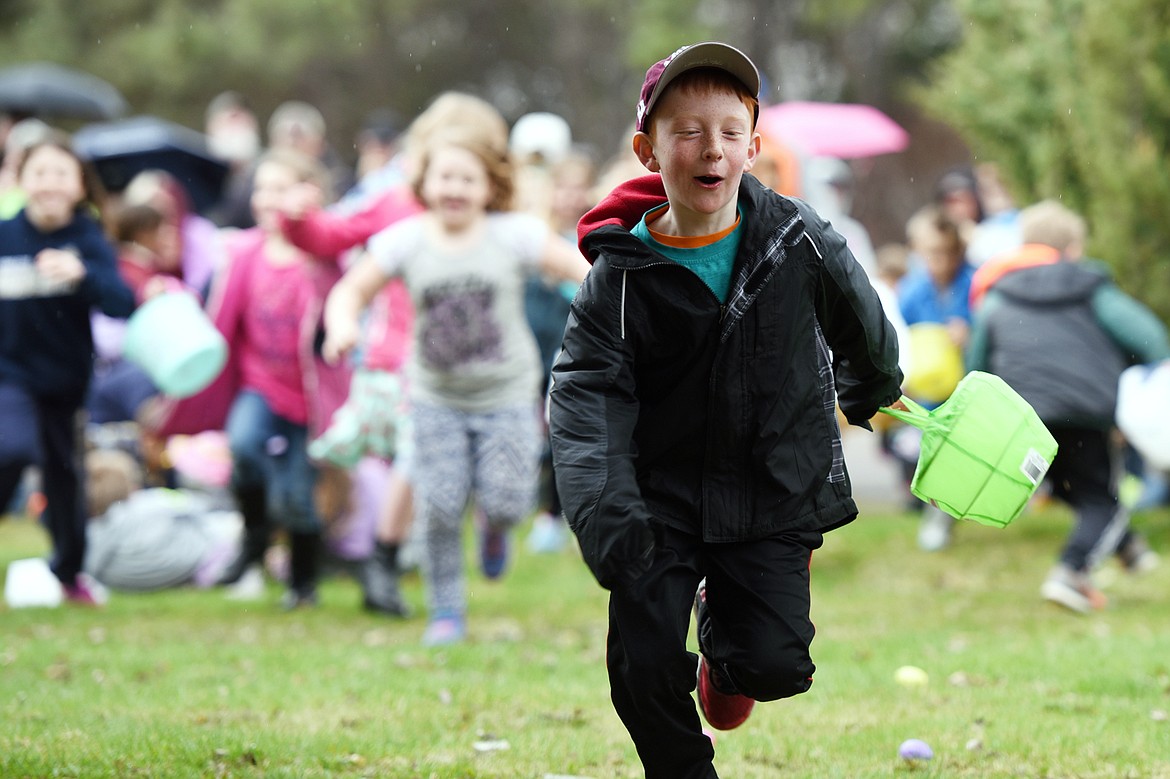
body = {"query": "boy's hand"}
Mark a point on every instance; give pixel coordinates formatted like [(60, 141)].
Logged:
[(639, 566), (898, 405), (959, 332), (619, 553)]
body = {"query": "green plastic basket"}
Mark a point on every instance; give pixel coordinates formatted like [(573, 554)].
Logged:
[(984, 451)]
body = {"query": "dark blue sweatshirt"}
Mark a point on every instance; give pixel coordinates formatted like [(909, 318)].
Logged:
[(46, 344)]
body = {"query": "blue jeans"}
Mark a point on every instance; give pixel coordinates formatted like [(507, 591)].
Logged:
[(269, 453)]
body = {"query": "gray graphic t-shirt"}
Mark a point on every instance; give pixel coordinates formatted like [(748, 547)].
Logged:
[(473, 349)]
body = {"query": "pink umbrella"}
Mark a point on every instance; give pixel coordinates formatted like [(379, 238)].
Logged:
[(843, 130)]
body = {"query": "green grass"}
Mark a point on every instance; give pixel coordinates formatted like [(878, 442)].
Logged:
[(185, 683)]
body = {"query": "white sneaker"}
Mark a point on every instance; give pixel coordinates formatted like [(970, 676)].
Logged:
[(549, 534), (934, 533), (250, 586), (1073, 590), (1136, 557)]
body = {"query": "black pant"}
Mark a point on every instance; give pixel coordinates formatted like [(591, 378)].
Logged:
[(42, 431), (758, 602), (1084, 475)]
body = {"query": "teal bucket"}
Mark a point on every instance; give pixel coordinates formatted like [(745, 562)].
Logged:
[(171, 338), (984, 451)]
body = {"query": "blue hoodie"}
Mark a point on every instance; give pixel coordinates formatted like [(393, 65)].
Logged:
[(46, 345)]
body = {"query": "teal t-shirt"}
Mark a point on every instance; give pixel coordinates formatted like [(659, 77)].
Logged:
[(712, 263)]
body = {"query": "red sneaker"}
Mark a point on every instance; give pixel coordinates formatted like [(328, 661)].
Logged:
[(722, 711)]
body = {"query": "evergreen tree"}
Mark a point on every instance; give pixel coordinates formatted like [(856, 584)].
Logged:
[(1072, 99)]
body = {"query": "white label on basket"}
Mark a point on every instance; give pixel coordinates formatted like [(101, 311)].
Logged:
[(1034, 466)]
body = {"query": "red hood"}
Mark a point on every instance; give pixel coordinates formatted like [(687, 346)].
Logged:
[(624, 206)]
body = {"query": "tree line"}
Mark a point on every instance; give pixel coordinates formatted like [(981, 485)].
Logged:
[(1068, 97)]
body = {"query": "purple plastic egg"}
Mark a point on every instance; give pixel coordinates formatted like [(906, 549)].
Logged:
[(915, 749)]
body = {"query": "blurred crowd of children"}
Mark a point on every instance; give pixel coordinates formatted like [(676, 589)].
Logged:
[(982, 285), (302, 455), (392, 328)]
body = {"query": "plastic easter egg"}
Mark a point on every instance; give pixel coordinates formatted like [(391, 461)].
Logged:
[(915, 749), (911, 676)]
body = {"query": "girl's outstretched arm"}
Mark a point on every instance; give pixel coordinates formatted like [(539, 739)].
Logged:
[(347, 300), (562, 260)]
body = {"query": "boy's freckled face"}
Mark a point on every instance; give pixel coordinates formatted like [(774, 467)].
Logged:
[(702, 144)]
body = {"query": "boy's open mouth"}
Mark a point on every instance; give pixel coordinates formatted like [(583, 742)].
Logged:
[(709, 180)]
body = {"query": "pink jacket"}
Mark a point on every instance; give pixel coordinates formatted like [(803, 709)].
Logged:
[(326, 386), (326, 233)]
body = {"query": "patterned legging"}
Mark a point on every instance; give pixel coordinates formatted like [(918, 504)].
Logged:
[(493, 455)]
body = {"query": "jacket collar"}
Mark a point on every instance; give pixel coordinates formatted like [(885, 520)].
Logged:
[(769, 221)]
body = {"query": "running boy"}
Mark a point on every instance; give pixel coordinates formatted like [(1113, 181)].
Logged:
[(694, 435)]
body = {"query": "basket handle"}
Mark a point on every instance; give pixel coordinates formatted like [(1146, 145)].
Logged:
[(916, 415)]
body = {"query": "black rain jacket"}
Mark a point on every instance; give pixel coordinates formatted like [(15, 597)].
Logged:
[(669, 408)]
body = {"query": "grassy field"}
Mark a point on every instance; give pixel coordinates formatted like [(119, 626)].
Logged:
[(185, 683)]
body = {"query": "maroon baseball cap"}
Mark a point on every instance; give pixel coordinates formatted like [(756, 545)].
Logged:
[(698, 55)]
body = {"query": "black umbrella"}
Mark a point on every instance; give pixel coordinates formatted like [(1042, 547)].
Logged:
[(120, 150), (47, 89)]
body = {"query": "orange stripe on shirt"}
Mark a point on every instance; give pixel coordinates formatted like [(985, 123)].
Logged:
[(685, 241)]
